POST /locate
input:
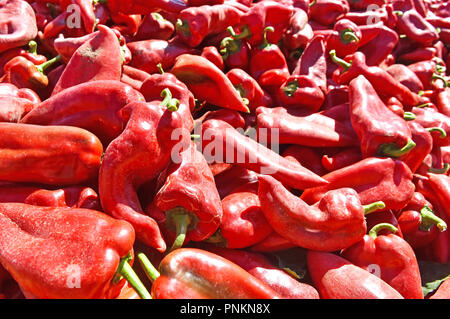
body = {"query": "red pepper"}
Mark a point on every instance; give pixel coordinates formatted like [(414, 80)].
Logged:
[(418, 223), (383, 83), (72, 196), (337, 278), (71, 253), (235, 52), (18, 24), (380, 131), (313, 63), (335, 222), (232, 178), (265, 14), (97, 59), (395, 260), (416, 27), (384, 14), (315, 130), (327, 11), (268, 65), (380, 47), (91, 105), (306, 156), (300, 91), (145, 6), (344, 38), (151, 89), (232, 117), (405, 76), (273, 243), (14, 108), (260, 267), (428, 71), (126, 24), (374, 179), (8, 89), (424, 144), (154, 26), (249, 89), (133, 77), (52, 155), (194, 24), (30, 54), (187, 202), (86, 10), (419, 54), (299, 32), (213, 55), (243, 223), (343, 158), (124, 169), (210, 277), (443, 101), (147, 54), (207, 82), (220, 140), (435, 122)]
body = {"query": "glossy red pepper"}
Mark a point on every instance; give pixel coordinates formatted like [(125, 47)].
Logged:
[(381, 132), (343, 158), (393, 257), (307, 156), (428, 72), (133, 77), (435, 122), (154, 26), (207, 82), (300, 91), (235, 51), (384, 14), (30, 54), (145, 6), (194, 24), (375, 179), (213, 55), (405, 76), (337, 278), (18, 24), (424, 145), (327, 11), (92, 105), (220, 140), (232, 178), (416, 27), (51, 267), (337, 222), (125, 168), (299, 32)]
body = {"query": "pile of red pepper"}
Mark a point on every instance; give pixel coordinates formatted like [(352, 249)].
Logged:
[(206, 139)]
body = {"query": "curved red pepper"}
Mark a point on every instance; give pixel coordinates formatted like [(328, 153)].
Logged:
[(344, 158), (299, 32), (145, 6), (395, 260), (154, 26), (213, 55), (327, 11), (306, 156), (300, 91), (416, 27)]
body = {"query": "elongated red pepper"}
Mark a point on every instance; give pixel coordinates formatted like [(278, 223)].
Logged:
[(337, 278), (268, 65), (326, 11), (337, 222), (145, 6), (243, 223), (416, 27), (396, 261), (424, 145), (235, 52), (126, 24), (437, 123), (220, 140), (187, 203), (207, 82), (92, 105), (133, 77), (300, 91), (63, 264), (374, 179), (213, 55), (232, 178), (315, 130), (72, 196), (418, 223), (299, 32), (210, 277), (380, 47), (232, 117), (306, 156), (52, 155), (417, 55), (381, 80), (125, 168), (97, 59), (428, 72), (249, 89), (260, 267), (405, 76), (30, 54), (379, 130), (344, 158), (262, 15), (154, 26), (195, 23), (313, 63), (18, 24)]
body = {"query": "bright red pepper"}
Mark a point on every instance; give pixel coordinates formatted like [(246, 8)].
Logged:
[(232, 178), (213, 55), (327, 11), (235, 52), (136, 156), (300, 91), (154, 26), (307, 156), (395, 260), (424, 145), (337, 278), (299, 32), (30, 54), (416, 27), (405, 76), (374, 179), (145, 6), (343, 158)]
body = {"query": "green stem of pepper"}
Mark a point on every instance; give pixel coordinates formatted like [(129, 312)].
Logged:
[(126, 271), (443, 170), (348, 35), (160, 68), (169, 102), (290, 88), (181, 219), (440, 77), (392, 149), (409, 116), (32, 47), (344, 64), (373, 207), (183, 27), (429, 219), (266, 44), (42, 67), (437, 129), (150, 271), (245, 33), (375, 229)]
